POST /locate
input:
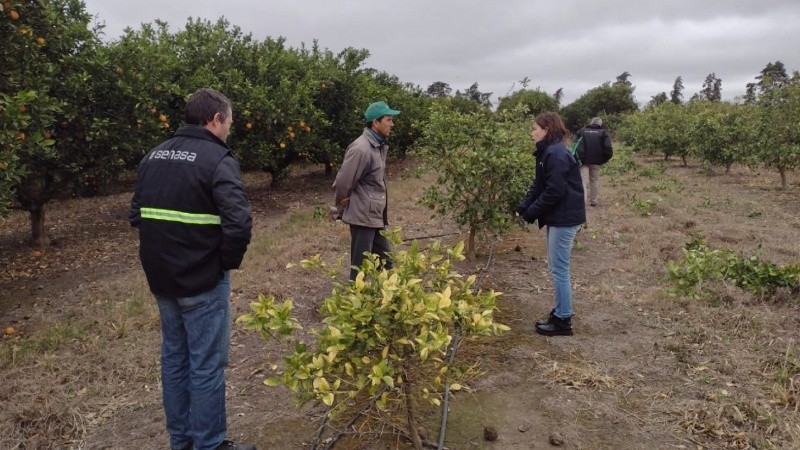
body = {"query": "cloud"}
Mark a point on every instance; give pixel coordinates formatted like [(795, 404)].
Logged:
[(572, 44)]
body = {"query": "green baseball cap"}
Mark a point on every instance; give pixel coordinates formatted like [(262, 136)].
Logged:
[(377, 110)]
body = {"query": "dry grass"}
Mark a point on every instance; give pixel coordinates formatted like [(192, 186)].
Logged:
[(644, 370)]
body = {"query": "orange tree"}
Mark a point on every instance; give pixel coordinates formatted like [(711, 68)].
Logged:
[(664, 128), (484, 163), (52, 74), (723, 134), (146, 104), (779, 143), (410, 100)]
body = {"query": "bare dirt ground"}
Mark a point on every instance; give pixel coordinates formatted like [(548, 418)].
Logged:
[(645, 370)]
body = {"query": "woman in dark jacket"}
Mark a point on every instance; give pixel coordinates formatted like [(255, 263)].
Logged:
[(555, 199)]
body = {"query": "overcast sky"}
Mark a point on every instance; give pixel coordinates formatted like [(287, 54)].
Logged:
[(571, 44)]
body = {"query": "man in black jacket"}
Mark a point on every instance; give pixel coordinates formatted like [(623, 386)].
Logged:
[(594, 151), (194, 227)]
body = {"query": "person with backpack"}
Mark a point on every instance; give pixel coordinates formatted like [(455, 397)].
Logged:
[(593, 151), (555, 200)]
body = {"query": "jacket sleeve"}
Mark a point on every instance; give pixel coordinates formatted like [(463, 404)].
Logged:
[(556, 168), (608, 150), (529, 198), (352, 169), (234, 211)]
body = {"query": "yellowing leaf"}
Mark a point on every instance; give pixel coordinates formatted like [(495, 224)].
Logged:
[(272, 382), (321, 384), (359, 283), (444, 298), (328, 399), (455, 387)]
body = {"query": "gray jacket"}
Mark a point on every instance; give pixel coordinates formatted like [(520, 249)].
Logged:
[(362, 179)]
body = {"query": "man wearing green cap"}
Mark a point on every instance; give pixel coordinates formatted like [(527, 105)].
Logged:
[(360, 187)]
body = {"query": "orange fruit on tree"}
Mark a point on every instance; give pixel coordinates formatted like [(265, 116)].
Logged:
[(162, 118), (41, 41), (13, 15), (282, 145), (165, 125), (22, 108), (291, 135), (20, 135), (248, 125), (289, 129), (302, 124)]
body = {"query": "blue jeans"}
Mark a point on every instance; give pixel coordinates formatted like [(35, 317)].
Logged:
[(196, 335), (559, 250)]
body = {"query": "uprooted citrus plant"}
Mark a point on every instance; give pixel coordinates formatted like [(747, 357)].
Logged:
[(383, 336)]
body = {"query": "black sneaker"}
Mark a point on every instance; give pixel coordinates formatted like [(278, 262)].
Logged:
[(549, 318), (556, 327), (228, 445)]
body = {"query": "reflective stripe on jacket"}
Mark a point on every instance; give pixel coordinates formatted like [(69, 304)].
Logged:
[(191, 211)]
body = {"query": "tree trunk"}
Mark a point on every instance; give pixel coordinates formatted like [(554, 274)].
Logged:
[(685, 161), (471, 243), (39, 237), (782, 171), (413, 434)]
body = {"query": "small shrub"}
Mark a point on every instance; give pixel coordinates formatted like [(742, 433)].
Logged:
[(384, 335), (750, 273)]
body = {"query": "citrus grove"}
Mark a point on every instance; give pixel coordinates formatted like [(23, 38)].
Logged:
[(78, 111)]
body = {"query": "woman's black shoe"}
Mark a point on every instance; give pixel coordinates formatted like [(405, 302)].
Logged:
[(556, 327), (549, 318)]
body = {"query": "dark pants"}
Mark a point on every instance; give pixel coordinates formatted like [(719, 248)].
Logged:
[(365, 239)]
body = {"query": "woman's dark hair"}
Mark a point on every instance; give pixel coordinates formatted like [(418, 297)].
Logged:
[(556, 130), (204, 104)]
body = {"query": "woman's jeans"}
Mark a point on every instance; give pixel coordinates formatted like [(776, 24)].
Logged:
[(196, 333), (559, 249)]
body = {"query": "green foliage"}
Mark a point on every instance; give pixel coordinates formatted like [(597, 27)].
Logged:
[(483, 164), (605, 101), (270, 320), (75, 112), (701, 263), (622, 163), (724, 134), (53, 70), (779, 146), (384, 335), (13, 118), (643, 207), (661, 129), (535, 100)]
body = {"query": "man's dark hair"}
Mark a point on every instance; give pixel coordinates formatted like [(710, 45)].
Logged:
[(204, 104)]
